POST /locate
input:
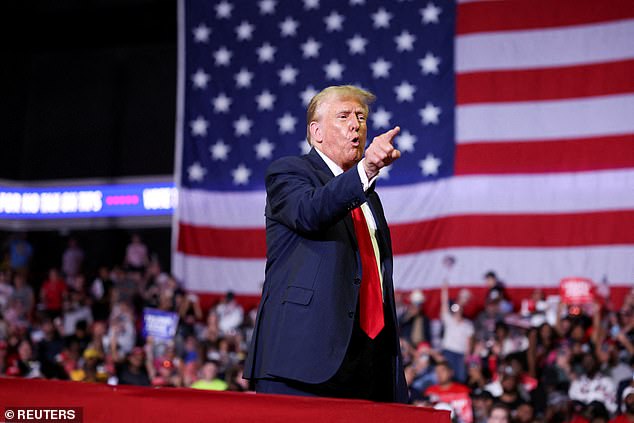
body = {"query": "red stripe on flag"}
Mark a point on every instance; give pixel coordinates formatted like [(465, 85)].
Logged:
[(551, 230), (529, 230), (545, 84), (517, 15), (221, 242), (610, 152), (618, 292)]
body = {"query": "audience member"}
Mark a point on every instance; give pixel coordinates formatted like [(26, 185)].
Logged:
[(72, 259), (450, 392), (209, 378), (627, 408), (413, 323), (101, 294), (499, 414), (53, 293), (230, 314), (134, 370), (6, 290), (23, 293), (458, 334), (136, 254), (591, 385), (20, 253), (547, 363)]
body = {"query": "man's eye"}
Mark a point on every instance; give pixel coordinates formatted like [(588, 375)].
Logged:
[(361, 118)]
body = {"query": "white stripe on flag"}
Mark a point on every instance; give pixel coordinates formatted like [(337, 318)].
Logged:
[(530, 49), (222, 209), (522, 267), (510, 194), (211, 274), (542, 120), (517, 266)]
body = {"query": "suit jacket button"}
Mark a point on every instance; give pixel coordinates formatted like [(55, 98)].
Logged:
[(357, 281), (351, 314)]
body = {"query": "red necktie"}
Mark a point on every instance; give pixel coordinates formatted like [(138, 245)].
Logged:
[(371, 301)]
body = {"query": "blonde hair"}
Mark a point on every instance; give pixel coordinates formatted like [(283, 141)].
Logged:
[(337, 91)]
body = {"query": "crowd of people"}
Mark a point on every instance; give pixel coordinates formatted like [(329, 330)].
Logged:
[(546, 361), (543, 361)]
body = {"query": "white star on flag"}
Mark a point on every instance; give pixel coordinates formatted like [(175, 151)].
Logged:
[(429, 64), (430, 13), (244, 31), (196, 172), (222, 56), (199, 126), (242, 126), (334, 21), (266, 53), (381, 19), (405, 141), (429, 165), (220, 150), (380, 68), (265, 100), (201, 33), (308, 95), (429, 114), (267, 7), (221, 103), (243, 78), (200, 79), (357, 44), (286, 123), (381, 118), (334, 69), (357, 2), (405, 41), (241, 175), (288, 27), (264, 149), (223, 10), (287, 75), (404, 92), (311, 4), (310, 48)]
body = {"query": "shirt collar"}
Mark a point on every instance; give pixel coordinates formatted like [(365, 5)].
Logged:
[(334, 168)]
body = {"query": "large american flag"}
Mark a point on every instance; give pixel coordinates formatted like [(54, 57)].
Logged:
[(517, 134)]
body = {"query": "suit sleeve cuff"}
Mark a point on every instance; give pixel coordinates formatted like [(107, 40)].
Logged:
[(364, 178)]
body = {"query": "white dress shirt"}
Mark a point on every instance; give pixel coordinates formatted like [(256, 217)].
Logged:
[(367, 213)]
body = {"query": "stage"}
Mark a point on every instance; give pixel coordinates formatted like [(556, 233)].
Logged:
[(103, 403)]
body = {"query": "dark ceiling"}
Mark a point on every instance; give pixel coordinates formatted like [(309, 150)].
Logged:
[(87, 88)]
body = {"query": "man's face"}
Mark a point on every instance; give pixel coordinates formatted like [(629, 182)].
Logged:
[(525, 413), (629, 404), (341, 131), (498, 416), (443, 375)]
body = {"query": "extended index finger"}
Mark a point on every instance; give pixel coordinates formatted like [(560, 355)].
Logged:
[(391, 134)]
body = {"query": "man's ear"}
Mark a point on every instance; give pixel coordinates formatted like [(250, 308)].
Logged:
[(316, 134)]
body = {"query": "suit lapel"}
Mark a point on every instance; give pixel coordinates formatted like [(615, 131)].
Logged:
[(325, 174), (381, 223)]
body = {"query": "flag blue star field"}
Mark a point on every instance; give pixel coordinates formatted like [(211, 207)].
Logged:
[(516, 131)]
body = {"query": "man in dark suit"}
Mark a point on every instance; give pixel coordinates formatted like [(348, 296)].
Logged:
[(326, 324)]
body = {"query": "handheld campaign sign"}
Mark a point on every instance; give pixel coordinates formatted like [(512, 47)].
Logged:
[(576, 291), (159, 324)]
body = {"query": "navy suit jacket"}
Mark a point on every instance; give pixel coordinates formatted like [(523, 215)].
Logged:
[(313, 273)]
